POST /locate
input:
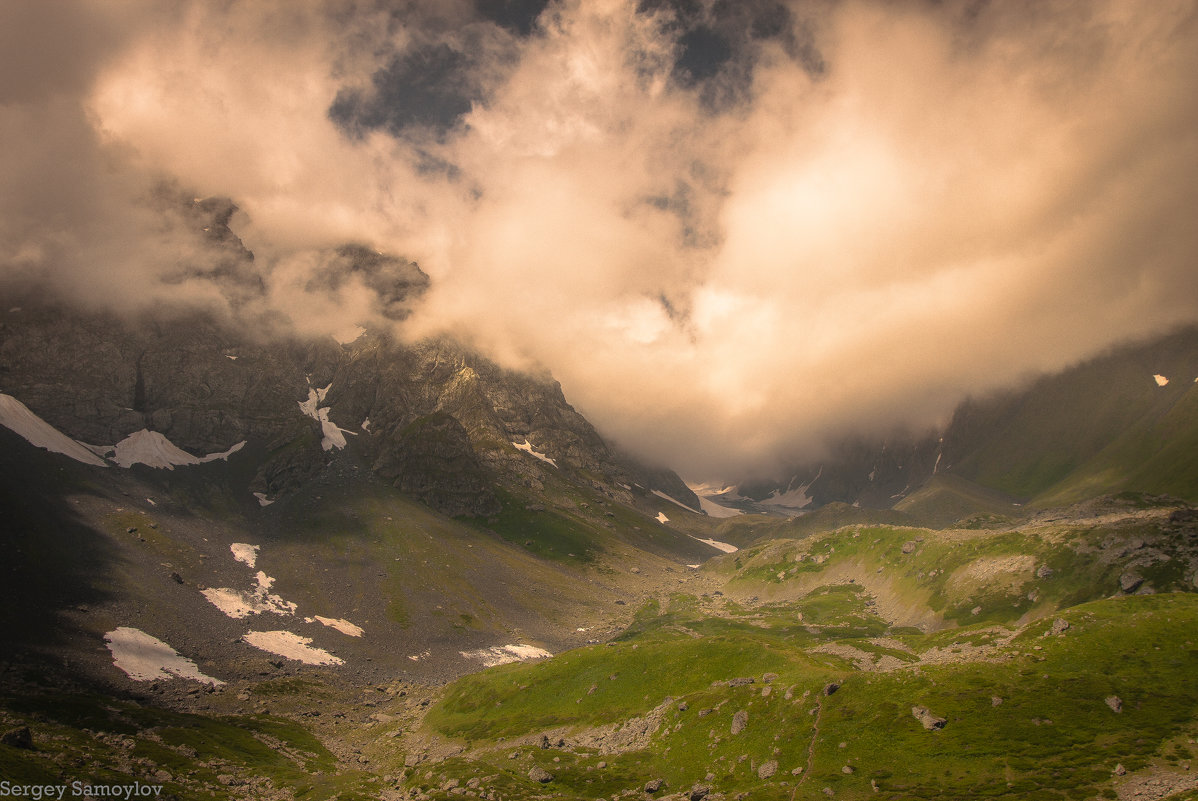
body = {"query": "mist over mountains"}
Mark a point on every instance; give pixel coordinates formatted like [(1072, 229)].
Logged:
[(786, 224)]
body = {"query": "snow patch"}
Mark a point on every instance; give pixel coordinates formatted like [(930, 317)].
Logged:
[(661, 494), (332, 435), (343, 626), (661, 518), (146, 658), (366, 424), (238, 604), (244, 552), (291, 646), (719, 546), (527, 448), (1160, 380), (230, 358), (223, 455), (419, 656), (694, 567), (17, 417), (262, 499), (713, 509), (152, 449), (503, 654), (796, 498)]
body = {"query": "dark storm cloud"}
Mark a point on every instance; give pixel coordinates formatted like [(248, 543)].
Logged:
[(518, 16), (719, 44), (429, 86)]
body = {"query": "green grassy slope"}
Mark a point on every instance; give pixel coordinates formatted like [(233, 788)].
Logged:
[(1099, 427)]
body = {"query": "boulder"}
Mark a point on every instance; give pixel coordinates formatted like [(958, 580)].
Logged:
[(739, 721), (539, 774), (927, 719), (767, 769), (1130, 581), (1115, 703)]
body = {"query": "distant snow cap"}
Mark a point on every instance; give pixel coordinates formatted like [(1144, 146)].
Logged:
[(661, 518), (1160, 380), (17, 417), (503, 654), (291, 646), (146, 658)]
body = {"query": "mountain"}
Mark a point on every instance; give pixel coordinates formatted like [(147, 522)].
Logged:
[(1124, 421), (244, 563)]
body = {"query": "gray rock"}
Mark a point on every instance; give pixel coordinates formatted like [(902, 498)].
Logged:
[(739, 721), (740, 682), (927, 719), (1130, 581), (699, 792), (830, 688), (1060, 626), (1120, 770), (767, 769), (910, 546), (848, 770), (654, 785), (995, 701), (539, 774), (1043, 572), (769, 677), (1115, 703)]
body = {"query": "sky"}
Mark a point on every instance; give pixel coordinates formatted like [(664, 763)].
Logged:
[(734, 230)]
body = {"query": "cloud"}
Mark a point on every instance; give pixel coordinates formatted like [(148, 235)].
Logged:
[(732, 231)]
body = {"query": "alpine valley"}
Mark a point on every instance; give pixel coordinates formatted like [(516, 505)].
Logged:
[(241, 563)]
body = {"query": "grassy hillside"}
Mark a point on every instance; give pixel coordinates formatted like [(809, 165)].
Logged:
[(1102, 426)]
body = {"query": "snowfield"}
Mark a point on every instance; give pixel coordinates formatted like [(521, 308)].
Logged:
[(238, 604), (291, 646), (342, 625), (146, 658), (503, 654), (713, 509), (17, 417), (719, 546), (244, 552), (153, 449), (661, 494)]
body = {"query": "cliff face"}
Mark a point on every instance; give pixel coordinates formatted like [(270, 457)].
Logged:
[(438, 421)]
